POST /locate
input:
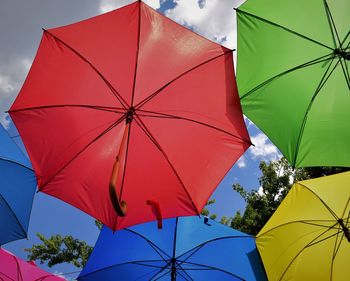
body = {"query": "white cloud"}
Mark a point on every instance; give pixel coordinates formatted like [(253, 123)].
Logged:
[(109, 5), (263, 148), (214, 19), (242, 162), (6, 85), (12, 75)]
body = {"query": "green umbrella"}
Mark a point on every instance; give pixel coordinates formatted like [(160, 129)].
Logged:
[(293, 76)]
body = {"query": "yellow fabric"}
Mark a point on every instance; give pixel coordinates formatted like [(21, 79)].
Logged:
[(303, 239)]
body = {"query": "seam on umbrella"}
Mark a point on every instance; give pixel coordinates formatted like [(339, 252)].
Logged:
[(20, 224), (108, 129), (297, 221), (335, 250), (323, 81), (346, 37), (109, 85), (346, 72), (150, 97), (307, 64), (150, 136), (162, 269), (305, 247), (154, 246), (115, 265), (137, 53), (285, 28), (213, 240), (102, 108), (331, 23), (215, 268), (164, 115), (17, 163)]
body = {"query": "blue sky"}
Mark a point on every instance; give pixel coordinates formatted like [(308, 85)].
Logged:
[(20, 32)]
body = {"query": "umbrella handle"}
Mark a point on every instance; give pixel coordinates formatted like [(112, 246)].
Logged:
[(156, 209), (120, 207)]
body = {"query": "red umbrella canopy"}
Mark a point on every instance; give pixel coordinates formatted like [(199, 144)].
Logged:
[(134, 86)]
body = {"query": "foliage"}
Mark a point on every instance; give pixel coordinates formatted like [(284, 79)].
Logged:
[(276, 180), (205, 211), (58, 249)]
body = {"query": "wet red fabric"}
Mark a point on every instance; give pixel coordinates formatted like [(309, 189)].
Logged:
[(187, 128)]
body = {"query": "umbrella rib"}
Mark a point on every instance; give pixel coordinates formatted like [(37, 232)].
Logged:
[(346, 73), (113, 90), (324, 203), (17, 163), (195, 250), (150, 97), (184, 271), (150, 136), (346, 37), (109, 128), (181, 268), (150, 243), (335, 252), (306, 246), (307, 64), (8, 205), (137, 53), (115, 265), (285, 28), (162, 269), (291, 222), (102, 108), (347, 204), (323, 81), (215, 268), (212, 240), (331, 22), (164, 115)]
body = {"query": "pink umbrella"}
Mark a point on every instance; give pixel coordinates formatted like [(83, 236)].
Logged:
[(13, 268)]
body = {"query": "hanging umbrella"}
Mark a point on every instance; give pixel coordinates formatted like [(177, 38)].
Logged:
[(135, 91), (17, 190), (187, 248), (293, 76), (13, 268), (308, 237)]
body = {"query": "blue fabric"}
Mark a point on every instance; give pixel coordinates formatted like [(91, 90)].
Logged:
[(17, 189), (203, 251)]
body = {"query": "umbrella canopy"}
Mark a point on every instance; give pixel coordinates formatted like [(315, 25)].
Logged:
[(308, 237), (17, 190), (293, 76), (135, 91), (13, 268), (187, 248)]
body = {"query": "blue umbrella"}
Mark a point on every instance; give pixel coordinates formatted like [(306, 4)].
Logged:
[(187, 248), (17, 188)]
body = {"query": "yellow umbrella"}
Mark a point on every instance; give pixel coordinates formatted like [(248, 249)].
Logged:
[(308, 237)]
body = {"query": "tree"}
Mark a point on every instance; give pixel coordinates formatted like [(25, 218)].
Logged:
[(58, 249), (276, 180)]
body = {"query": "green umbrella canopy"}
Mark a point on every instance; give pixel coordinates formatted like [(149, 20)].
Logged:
[(293, 76)]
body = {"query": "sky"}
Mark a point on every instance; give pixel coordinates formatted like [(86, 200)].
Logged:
[(21, 24)]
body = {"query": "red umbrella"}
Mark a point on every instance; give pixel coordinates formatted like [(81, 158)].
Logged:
[(130, 85), (13, 268)]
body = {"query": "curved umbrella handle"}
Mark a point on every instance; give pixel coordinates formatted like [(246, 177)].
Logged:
[(120, 207)]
